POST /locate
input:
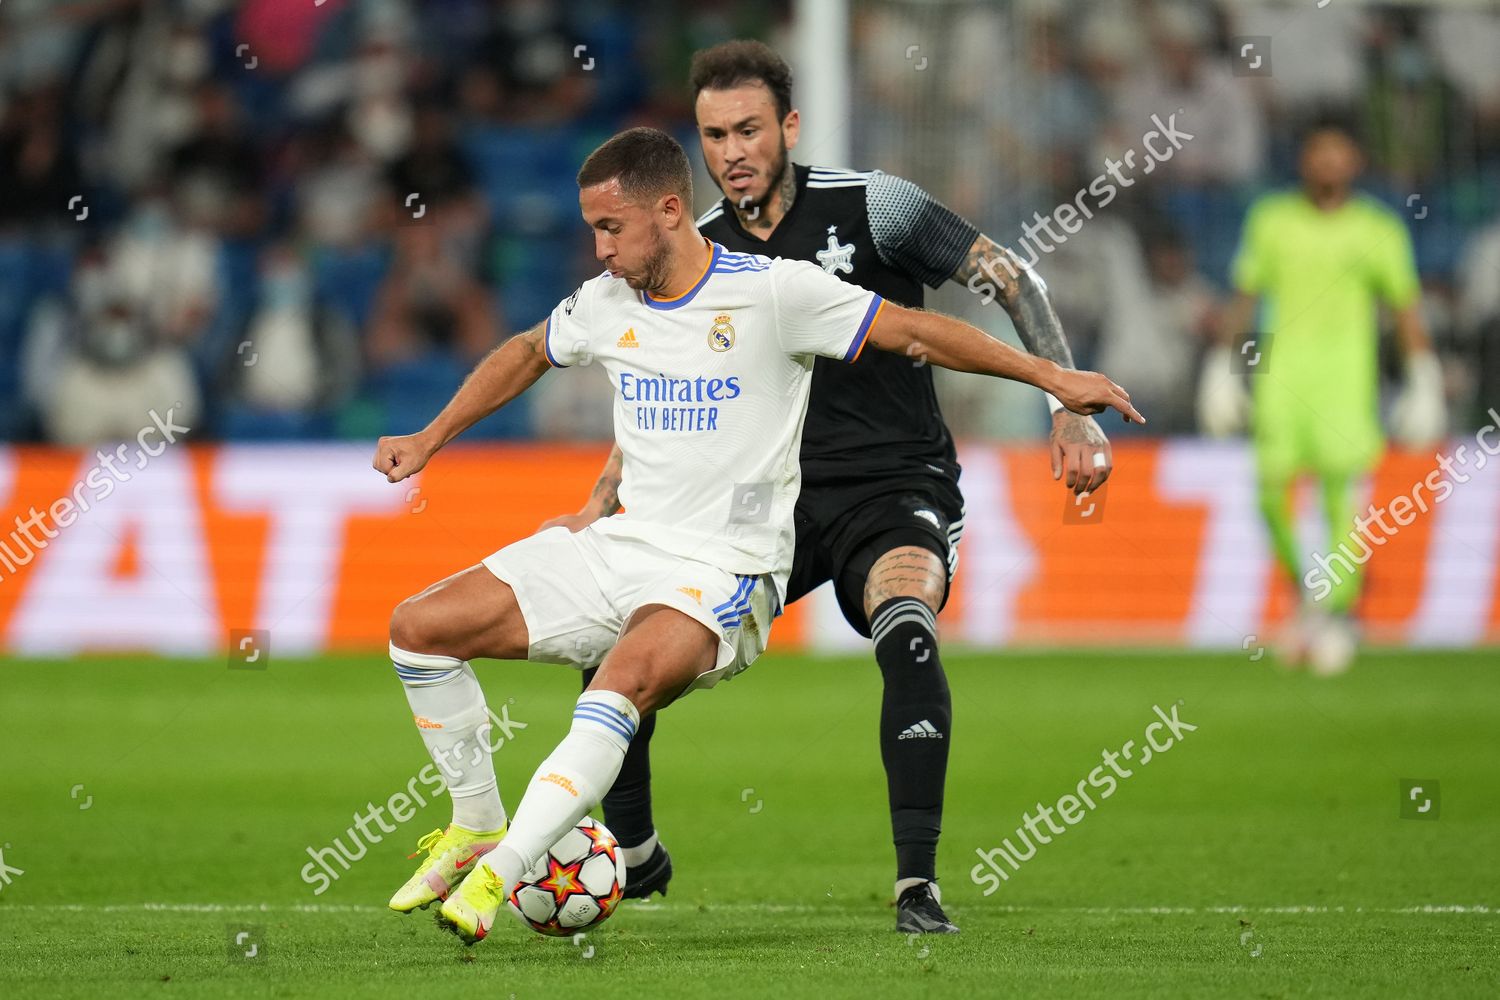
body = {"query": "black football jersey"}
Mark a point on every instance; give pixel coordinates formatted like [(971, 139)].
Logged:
[(877, 419)]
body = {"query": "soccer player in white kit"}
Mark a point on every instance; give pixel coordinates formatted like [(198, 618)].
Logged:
[(710, 354)]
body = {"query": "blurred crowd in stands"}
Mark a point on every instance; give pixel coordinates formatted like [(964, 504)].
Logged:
[(1021, 105), (304, 219)]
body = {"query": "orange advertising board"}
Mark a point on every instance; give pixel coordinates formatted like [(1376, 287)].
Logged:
[(175, 551)]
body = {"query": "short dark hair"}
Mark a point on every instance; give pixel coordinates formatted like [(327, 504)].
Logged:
[(1332, 121), (734, 64), (647, 162)]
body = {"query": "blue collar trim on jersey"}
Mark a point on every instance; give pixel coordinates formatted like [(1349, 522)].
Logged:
[(687, 296)]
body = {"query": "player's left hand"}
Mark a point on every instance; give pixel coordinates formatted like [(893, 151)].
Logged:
[(1419, 417), (1081, 455)]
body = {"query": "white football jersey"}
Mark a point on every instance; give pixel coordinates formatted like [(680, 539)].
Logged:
[(710, 392)]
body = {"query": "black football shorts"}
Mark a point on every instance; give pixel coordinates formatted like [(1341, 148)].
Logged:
[(842, 532)]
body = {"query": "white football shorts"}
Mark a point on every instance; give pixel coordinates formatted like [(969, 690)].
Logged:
[(577, 589)]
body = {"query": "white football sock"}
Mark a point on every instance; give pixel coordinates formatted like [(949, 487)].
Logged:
[(569, 783), (640, 853), (448, 704)]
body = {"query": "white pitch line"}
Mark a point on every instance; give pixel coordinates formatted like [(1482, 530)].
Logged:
[(1107, 911), (1147, 910)]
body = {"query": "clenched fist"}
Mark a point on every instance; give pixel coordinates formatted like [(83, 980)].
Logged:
[(400, 457)]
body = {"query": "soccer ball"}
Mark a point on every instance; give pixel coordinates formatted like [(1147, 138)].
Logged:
[(576, 885)]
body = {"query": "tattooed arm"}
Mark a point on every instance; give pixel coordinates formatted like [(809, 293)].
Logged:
[(604, 501), (993, 272), (917, 234)]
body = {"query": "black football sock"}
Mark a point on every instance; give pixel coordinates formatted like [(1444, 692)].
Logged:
[(627, 805), (916, 716)]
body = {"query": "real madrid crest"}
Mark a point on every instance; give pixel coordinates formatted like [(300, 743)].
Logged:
[(721, 334)]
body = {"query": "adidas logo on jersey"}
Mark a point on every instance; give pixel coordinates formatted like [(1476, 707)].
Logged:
[(628, 340), (921, 731), (696, 593)]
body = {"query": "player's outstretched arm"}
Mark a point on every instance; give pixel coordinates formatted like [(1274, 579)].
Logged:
[(1078, 445), (603, 502), (930, 241), (950, 343), (504, 374)]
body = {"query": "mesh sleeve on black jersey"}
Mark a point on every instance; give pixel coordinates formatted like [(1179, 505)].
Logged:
[(915, 232)]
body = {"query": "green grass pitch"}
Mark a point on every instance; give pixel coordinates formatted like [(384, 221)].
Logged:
[(154, 809)]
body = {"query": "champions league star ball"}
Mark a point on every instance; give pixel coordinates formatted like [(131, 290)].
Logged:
[(576, 885)]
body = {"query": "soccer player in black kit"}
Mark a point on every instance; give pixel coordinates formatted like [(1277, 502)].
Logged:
[(880, 513)]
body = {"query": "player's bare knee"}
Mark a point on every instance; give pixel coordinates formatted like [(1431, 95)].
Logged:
[(632, 680), (650, 677), (908, 571), (404, 634), (414, 627)]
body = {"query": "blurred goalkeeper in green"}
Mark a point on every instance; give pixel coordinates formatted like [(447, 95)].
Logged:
[(1320, 261)]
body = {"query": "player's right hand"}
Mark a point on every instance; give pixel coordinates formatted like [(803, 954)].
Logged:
[(400, 457), (1223, 402), (573, 522), (1091, 392)]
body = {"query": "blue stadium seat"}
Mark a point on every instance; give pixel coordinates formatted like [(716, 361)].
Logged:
[(526, 174), (1210, 220), (348, 279), (410, 394), (239, 284), (29, 273), (237, 422), (534, 275)]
